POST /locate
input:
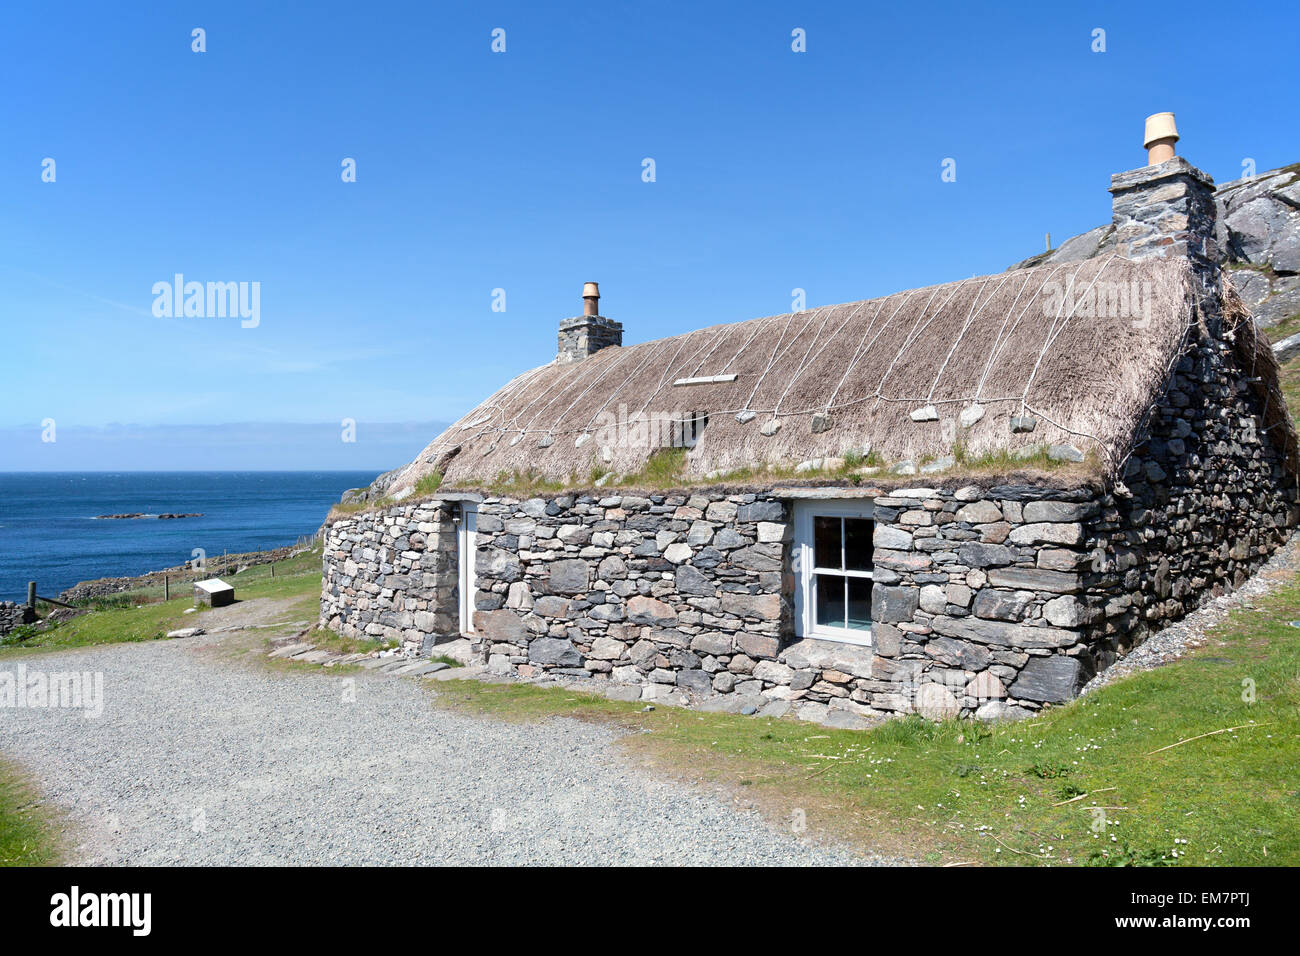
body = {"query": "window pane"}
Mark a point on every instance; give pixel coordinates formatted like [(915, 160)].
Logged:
[(859, 617), (826, 542), (830, 600), (857, 543)]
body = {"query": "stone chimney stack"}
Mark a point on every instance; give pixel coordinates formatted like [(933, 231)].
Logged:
[(1167, 207), (587, 334)]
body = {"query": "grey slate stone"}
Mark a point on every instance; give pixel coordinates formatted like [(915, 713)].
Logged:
[(569, 576), (1036, 511), (1001, 605), (691, 581), (1004, 634), (978, 555), (1051, 680), (761, 511), (890, 604), (954, 653), (695, 681), (554, 652), (1036, 579)]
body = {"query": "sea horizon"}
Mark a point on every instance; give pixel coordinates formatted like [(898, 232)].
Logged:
[(50, 532)]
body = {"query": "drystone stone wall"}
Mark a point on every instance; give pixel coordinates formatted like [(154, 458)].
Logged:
[(392, 575), (12, 615), (976, 607), (976, 604), (677, 595), (1204, 500)]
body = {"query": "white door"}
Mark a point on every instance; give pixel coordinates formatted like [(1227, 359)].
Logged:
[(466, 548)]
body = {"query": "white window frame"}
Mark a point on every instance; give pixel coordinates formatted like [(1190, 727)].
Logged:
[(804, 607)]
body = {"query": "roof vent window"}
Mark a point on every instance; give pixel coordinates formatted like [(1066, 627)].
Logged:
[(686, 431)]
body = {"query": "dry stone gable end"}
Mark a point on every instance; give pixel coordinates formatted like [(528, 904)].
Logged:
[(989, 598)]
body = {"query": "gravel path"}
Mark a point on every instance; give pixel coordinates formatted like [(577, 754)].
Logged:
[(1189, 633), (201, 759)]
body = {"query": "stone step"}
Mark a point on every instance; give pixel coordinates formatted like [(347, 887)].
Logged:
[(458, 650), (418, 668), (472, 672), (313, 657), (291, 649)]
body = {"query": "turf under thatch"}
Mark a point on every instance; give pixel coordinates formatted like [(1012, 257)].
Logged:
[(1081, 348)]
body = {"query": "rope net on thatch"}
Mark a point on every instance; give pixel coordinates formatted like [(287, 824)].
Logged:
[(1078, 349)]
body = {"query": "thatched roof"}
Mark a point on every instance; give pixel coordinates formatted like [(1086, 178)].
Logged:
[(1081, 348)]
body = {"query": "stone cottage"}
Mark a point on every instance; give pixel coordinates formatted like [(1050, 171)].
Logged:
[(962, 499)]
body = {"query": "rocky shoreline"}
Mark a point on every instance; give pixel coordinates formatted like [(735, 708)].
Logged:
[(181, 574)]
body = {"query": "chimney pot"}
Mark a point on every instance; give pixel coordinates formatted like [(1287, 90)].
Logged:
[(584, 335), (1166, 208), (1161, 134)]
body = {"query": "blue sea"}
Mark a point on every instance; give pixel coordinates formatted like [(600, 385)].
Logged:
[(49, 534)]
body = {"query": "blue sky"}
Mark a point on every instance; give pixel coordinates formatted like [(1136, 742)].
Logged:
[(522, 171)]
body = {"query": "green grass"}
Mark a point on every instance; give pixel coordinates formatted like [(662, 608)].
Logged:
[(666, 468), (1290, 372), (146, 622), (428, 484), (121, 619), (1290, 383), (523, 484), (300, 575), (354, 507), (1287, 327), (1004, 460), (327, 640), (961, 791), (28, 836)]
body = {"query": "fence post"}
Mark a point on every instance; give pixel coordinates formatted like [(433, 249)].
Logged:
[(31, 595), (272, 569), (167, 588)]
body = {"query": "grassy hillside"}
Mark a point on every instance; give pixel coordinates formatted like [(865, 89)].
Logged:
[(145, 616), (1291, 369)]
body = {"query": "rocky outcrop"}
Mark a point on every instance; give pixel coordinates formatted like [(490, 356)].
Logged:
[(128, 516), (1258, 235)]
